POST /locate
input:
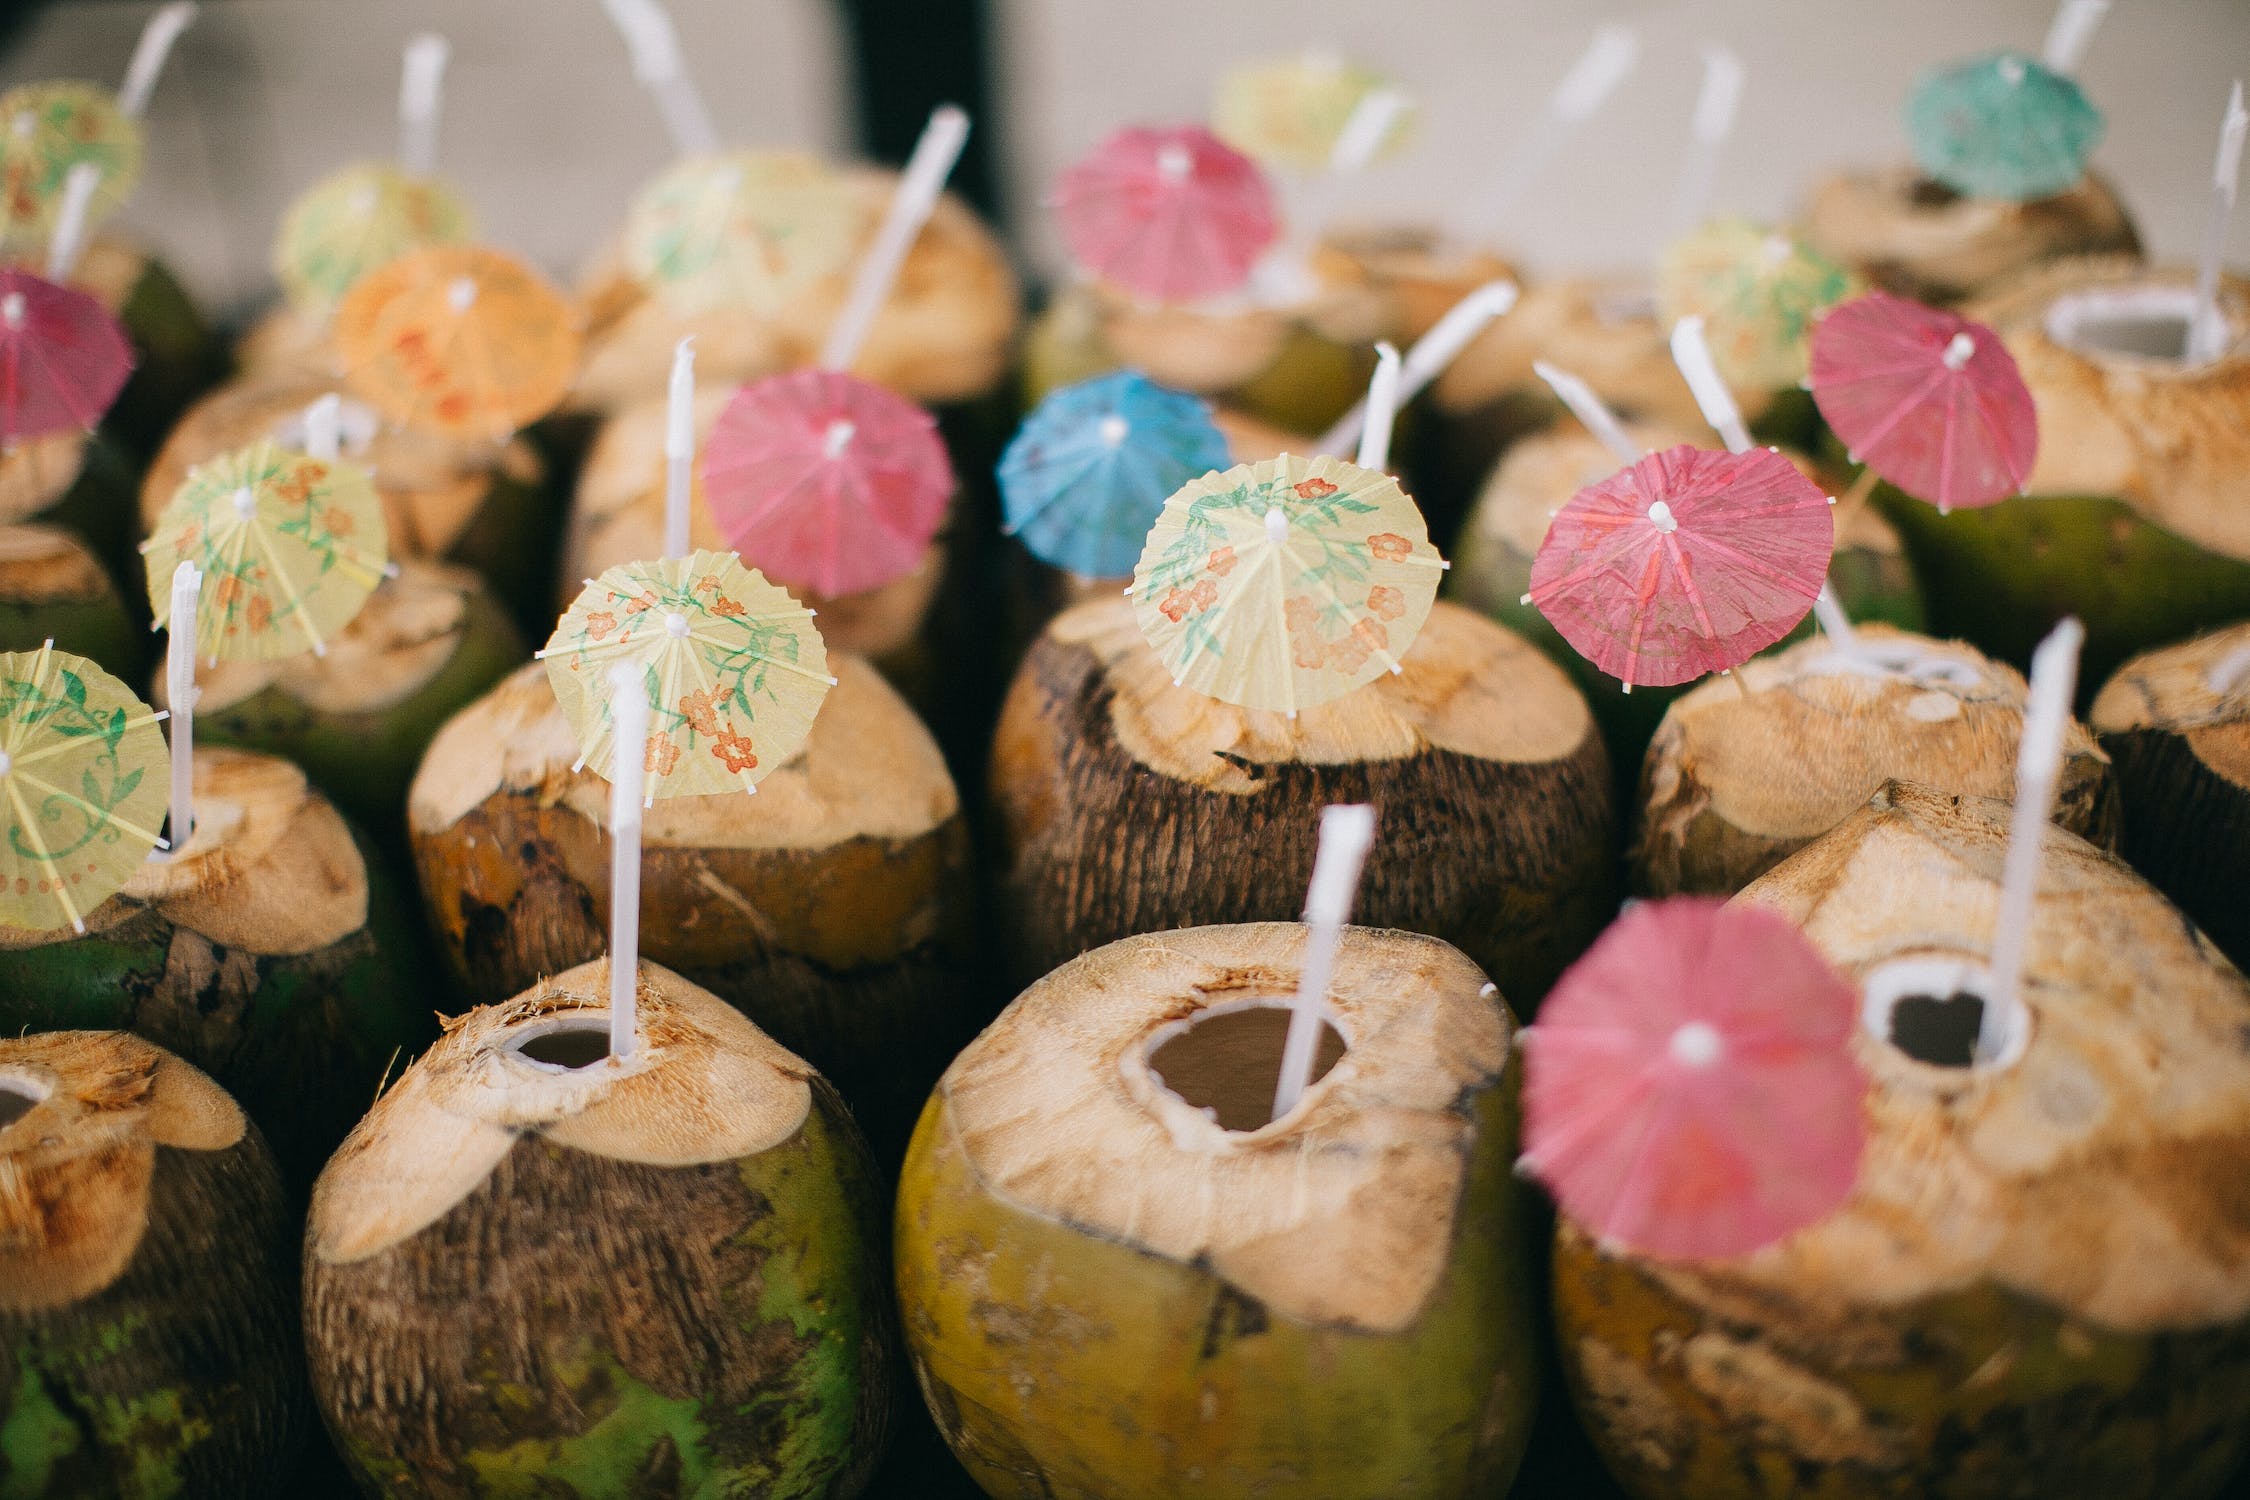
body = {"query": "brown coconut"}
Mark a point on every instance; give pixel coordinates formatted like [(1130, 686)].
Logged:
[(1129, 805), (1745, 772), (1605, 333), (1408, 278), (2040, 1283), (2176, 722)]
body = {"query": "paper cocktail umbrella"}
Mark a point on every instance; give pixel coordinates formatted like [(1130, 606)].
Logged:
[(1757, 290), (1283, 584), (733, 667), (1093, 464), (1170, 214), (747, 230), (63, 358), (1290, 112), (352, 221), (2002, 126), (45, 130), (1689, 1089), (458, 339), (1927, 399)]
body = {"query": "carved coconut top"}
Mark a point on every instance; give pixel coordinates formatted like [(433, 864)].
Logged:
[(47, 564), (1605, 333), (2198, 689), (1539, 475), (37, 472)]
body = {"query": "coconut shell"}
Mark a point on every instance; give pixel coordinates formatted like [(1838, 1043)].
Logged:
[(1406, 278), (652, 1276), (147, 1257), (1605, 333), (175, 355), (1130, 805), (1737, 781), (833, 907), (52, 587), (1912, 236), (1107, 1296), (2182, 752), (2040, 1284), (270, 953)]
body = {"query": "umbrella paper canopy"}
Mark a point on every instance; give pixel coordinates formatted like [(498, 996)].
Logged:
[(1288, 112), (1093, 464), (458, 339), (45, 130), (351, 222), (1689, 1088), (1927, 399), (83, 764), (2002, 126), (1757, 291), (826, 481), (1166, 213), (1690, 561), (63, 358), (289, 546), (747, 230), (1283, 584), (735, 670)]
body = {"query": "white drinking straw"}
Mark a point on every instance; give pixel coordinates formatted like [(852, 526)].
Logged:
[(628, 740), (1365, 129), (1431, 353), (1591, 410), (1582, 91), (70, 220), (1713, 122), (2070, 33), (1346, 831), (180, 693), (324, 428), (679, 448), (2207, 326), (2054, 677), (420, 90), (655, 48), (150, 54), (912, 203), (1382, 408)]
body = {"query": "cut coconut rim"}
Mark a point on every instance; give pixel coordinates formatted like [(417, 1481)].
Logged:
[(2146, 324), (1211, 1073), (1919, 662), (20, 1094), (1930, 1009), (576, 1043)]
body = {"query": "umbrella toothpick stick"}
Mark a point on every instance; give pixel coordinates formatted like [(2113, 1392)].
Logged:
[(2070, 33), (628, 721), (2207, 326), (1346, 832), (679, 448), (1712, 123), (655, 47), (2054, 677), (1431, 353), (150, 55), (916, 197), (1579, 398), (1382, 409), (420, 86), (181, 691), (70, 220), (1582, 91)]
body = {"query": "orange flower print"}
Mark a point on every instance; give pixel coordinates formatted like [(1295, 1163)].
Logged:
[(1204, 594), (660, 755), (1390, 546), (338, 520), (1175, 606), (733, 751), (705, 584), (1299, 612), (1385, 602), (226, 590), (1308, 652), (727, 609), (641, 604), (600, 623), (1372, 632), (1222, 561), (1313, 489), (260, 612), (701, 710)]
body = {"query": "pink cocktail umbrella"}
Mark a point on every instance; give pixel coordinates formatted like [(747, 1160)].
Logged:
[(827, 482), (1167, 213), (63, 358), (1689, 1089), (1687, 562), (1927, 399)]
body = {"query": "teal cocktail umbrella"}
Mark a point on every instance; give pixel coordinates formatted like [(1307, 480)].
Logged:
[(2002, 126)]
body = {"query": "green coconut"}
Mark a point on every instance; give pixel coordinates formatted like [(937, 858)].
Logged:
[(1122, 1280), (536, 1269), (2040, 1283), (175, 355), (52, 587), (271, 952), (149, 1341)]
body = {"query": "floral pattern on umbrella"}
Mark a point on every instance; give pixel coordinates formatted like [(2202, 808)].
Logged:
[(83, 766), (351, 222), (747, 230), (734, 668), (1758, 291), (1284, 584), (45, 130)]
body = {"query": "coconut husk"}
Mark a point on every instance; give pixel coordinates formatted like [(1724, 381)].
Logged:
[(833, 907), (1917, 238), (669, 1263), (268, 952), (1128, 804), (1405, 276), (1605, 333), (2182, 752), (1742, 775), (52, 587), (148, 1258), (1108, 1293), (2038, 1284)]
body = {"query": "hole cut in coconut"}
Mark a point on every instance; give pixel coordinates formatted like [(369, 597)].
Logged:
[(565, 1048), (1933, 1010), (1226, 1060), (18, 1097), (1929, 193), (2135, 322)]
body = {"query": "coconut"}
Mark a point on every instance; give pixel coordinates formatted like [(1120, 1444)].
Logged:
[(52, 587), (174, 353), (2176, 722), (148, 1279), (1129, 804), (2040, 1284), (81, 481), (833, 908), (473, 503), (358, 717), (1920, 239), (1411, 279), (1121, 1281), (535, 1268), (269, 952), (1743, 774), (2136, 516)]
